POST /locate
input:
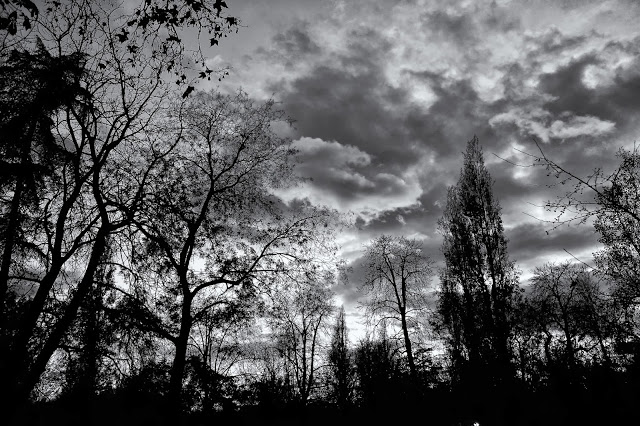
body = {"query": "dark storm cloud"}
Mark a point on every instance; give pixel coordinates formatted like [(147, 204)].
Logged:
[(456, 116), (532, 244), (339, 169), (417, 221), (296, 43), (346, 178), (386, 95), (462, 28), (511, 189), (351, 102), (291, 47), (617, 101), (332, 104), (569, 92), (569, 104)]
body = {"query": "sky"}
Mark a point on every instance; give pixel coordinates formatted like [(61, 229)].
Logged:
[(386, 94)]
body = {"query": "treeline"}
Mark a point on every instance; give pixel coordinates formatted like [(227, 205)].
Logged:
[(150, 272)]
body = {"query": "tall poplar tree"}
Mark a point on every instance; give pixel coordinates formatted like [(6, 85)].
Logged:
[(340, 362), (479, 283)]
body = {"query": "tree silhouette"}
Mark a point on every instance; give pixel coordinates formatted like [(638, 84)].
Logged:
[(340, 360), (379, 376), (618, 223), (209, 227), (301, 306), (612, 199), (398, 276), (37, 85), (76, 102), (479, 284), (567, 300)]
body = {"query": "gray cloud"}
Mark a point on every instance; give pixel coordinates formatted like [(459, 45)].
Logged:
[(344, 170), (386, 95), (354, 107), (528, 241), (295, 43)]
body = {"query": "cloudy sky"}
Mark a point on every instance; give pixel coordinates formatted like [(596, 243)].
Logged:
[(386, 93)]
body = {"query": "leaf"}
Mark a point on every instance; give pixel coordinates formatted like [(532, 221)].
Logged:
[(213, 41), (33, 9), (124, 36), (10, 23), (188, 91), (219, 4)]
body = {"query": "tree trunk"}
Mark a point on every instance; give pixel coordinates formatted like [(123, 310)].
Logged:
[(18, 356), (180, 360), (407, 344), (7, 361), (12, 226), (24, 380), (9, 242)]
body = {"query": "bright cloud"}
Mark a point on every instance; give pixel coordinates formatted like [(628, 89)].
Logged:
[(536, 123)]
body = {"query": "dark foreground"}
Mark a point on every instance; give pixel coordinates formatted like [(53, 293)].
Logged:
[(605, 406)]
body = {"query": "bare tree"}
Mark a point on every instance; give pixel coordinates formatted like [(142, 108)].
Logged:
[(94, 86), (618, 223), (73, 217), (209, 229), (398, 277), (611, 199), (567, 299), (301, 306)]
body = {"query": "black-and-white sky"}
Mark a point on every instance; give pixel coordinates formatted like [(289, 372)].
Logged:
[(386, 93)]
